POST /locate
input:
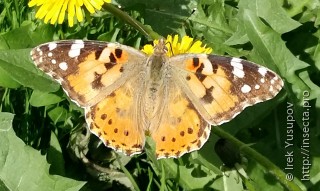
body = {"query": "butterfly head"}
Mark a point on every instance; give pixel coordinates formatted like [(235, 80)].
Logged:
[(160, 48)]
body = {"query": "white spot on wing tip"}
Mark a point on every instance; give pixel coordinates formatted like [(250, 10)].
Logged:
[(52, 45), (245, 88), (79, 41), (257, 87), (236, 62), (237, 67), (262, 71), (76, 48), (63, 66), (74, 53), (237, 72), (53, 61)]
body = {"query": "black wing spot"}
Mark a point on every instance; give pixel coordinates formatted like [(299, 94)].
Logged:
[(199, 74), (103, 116), (118, 53), (109, 65), (112, 94), (97, 53), (112, 58), (208, 98), (97, 84), (195, 62)]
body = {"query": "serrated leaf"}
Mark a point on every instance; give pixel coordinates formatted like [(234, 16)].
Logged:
[(232, 181), (272, 13), (191, 178), (270, 47)]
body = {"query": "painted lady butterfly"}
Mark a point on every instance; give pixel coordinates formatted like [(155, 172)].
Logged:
[(128, 95)]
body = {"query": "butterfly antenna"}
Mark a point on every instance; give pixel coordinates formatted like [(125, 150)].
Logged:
[(192, 12), (170, 45)]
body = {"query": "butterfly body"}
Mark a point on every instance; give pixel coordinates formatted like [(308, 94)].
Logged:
[(156, 79), (127, 94)]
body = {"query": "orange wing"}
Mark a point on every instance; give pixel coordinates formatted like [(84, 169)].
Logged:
[(116, 122), (181, 128), (221, 87), (98, 76), (88, 70)]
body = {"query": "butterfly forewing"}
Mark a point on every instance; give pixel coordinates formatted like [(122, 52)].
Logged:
[(88, 70), (221, 87)]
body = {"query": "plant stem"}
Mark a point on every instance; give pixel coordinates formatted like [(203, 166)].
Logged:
[(147, 31), (251, 153)]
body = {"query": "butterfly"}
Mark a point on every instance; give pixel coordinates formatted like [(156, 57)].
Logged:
[(128, 95)]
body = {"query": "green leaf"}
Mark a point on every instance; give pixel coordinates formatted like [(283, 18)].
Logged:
[(25, 36), (59, 114), (7, 81), (269, 46), (267, 183), (17, 64), (272, 13), (23, 168), (168, 14), (55, 157), (39, 98), (232, 181), (189, 177)]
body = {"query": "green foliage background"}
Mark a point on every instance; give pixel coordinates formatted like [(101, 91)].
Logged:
[(43, 144)]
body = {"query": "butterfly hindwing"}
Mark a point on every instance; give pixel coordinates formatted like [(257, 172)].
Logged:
[(221, 87), (116, 122), (88, 70), (180, 128)]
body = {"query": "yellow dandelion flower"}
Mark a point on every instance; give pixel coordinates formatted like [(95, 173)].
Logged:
[(55, 10), (186, 45)]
